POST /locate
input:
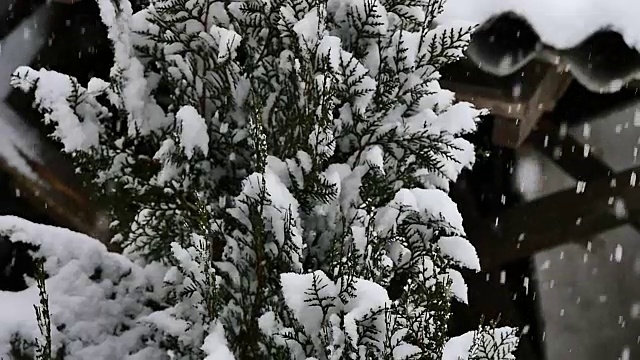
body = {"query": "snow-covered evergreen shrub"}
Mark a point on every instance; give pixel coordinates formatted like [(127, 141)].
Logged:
[(98, 300), (287, 162)]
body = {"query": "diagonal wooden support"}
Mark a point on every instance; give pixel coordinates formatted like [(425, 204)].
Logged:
[(570, 215), (574, 158), (516, 102)]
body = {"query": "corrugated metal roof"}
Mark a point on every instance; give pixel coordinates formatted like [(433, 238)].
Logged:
[(603, 62), (598, 41), (560, 24)]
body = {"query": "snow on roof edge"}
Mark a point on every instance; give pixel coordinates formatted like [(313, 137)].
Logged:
[(561, 24)]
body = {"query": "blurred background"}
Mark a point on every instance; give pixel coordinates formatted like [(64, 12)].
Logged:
[(552, 204)]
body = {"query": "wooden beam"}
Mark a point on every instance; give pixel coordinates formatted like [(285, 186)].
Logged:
[(64, 203), (517, 102), (511, 131), (559, 218), (573, 157)]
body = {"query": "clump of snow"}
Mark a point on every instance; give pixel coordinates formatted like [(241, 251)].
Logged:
[(350, 68), (134, 94), (461, 250), (96, 85), (165, 321), (458, 286), (294, 287), (169, 170), (375, 157), (194, 131), (322, 140), (215, 344), (499, 340), (369, 297), (457, 348), (308, 29), (314, 300), (431, 201), (228, 42), (52, 94), (282, 213), (96, 298)]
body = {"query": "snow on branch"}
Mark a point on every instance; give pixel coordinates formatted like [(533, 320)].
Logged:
[(95, 297)]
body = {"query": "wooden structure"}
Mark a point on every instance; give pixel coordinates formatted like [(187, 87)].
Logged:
[(512, 73), (529, 103), (516, 102)]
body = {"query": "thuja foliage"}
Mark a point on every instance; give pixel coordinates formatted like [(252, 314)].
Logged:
[(43, 315), (288, 162)]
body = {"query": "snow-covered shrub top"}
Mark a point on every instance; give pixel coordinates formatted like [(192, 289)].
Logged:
[(97, 299), (289, 161)]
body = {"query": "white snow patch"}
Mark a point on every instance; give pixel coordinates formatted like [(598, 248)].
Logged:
[(461, 347), (618, 253), (94, 311), (294, 287), (194, 131), (228, 42), (215, 344), (433, 201), (369, 297), (375, 157), (458, 286), (52, 93), (308, 29), (460, 249)]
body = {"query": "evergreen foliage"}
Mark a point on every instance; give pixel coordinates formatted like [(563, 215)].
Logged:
[(43, 315), (287, 162)]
